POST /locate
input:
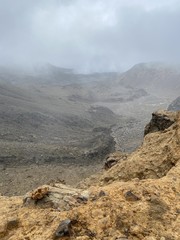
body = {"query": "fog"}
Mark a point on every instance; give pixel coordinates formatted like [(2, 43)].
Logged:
[(89, 35)]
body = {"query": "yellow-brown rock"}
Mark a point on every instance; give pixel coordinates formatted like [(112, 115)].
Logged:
[(39, 193)]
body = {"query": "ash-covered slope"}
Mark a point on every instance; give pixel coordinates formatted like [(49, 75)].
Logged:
[(55, 106), (40, 125), (41, 113), (175, 105), (156, 78), (138, 198)]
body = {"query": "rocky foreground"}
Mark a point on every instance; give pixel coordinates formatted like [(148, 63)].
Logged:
[(135, 197)]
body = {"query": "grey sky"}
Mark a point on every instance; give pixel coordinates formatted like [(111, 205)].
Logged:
[(89, 35)]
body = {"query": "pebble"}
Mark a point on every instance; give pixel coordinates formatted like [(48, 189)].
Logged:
[(63, 228), (102, 193), (85, 194), (130, 196)]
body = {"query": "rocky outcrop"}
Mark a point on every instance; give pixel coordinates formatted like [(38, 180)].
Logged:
[(137, 198), (113, 158), (159, 122), (175, 105), (58, 196)]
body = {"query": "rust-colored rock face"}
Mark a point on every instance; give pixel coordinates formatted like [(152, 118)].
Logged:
[(137, 198)]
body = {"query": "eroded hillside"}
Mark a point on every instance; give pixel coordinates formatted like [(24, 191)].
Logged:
[(137, 198), (53, 119)]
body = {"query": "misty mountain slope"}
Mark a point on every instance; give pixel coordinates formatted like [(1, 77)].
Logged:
[(40, 111), (125, 102), (147, 82), (175, 105), (40, 74), (61, 107), (102, 91), (37, 113), (39, 125), (81, 87), (50, 104), (67, 124), (155, 78), (11, 91)]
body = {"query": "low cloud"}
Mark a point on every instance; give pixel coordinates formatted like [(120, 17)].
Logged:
[(89, 35)]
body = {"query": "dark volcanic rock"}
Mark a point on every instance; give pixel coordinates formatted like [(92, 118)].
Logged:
[(159, 122), (130, 196), (175, 105), (113, 158), (63, 228)]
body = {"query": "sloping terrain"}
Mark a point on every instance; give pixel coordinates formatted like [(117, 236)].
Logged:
[(157, 79), (40, 124), (55, 117), (45, 128), (175, 105), (36, 109), (138, 198)]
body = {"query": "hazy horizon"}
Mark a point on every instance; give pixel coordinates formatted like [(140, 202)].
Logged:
[(89, 35)]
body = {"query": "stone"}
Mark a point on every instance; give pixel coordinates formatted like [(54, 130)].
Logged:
[(39, 193), (130, 196), (85, 194), (109, 163), (113, 158), (81, 199), (102, 194), (63, 228), (60, 196), (160, 121)]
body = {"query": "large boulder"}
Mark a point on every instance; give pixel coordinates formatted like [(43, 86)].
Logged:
[(159, 122), (58, 196)]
